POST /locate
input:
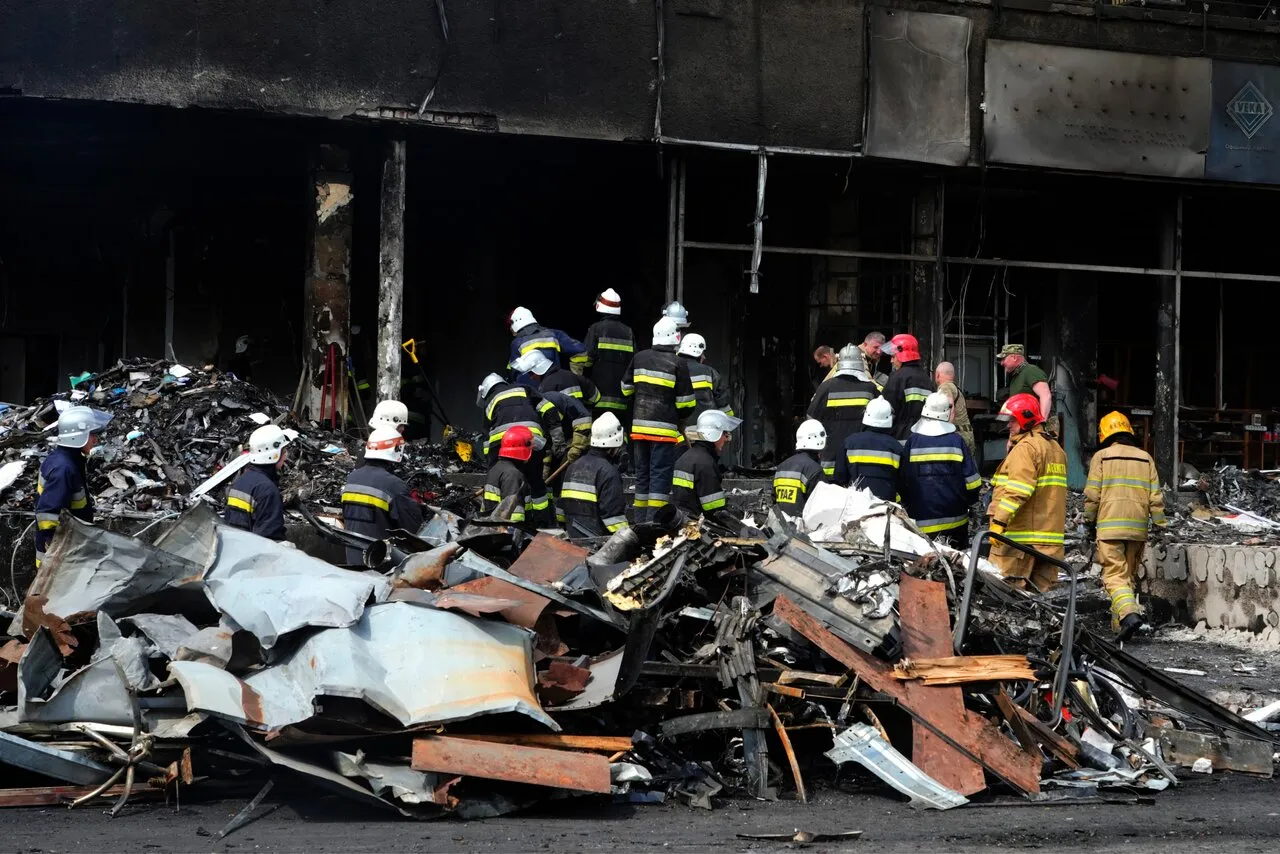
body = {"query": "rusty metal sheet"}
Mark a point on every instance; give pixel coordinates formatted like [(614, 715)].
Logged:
[(528, 606), (918, 107), (538, 766), (216, 692), (548, 559), (1097, 110)]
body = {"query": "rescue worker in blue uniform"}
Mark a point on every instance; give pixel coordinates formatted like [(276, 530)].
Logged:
[(696, 482), (591, 502), (575, 417), (374, 499), (710, 391), (254, 502), (796, 476), (872, 456), (507, 405), (527, 335), (610, 344), (61, 484), (939, 480), (840, 401)]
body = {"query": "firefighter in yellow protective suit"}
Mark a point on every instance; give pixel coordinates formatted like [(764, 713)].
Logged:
[(1029, 498), (1121, 497)]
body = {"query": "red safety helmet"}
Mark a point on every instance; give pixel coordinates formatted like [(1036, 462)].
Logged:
[(517, 443), (905, 347), (1024, 409)]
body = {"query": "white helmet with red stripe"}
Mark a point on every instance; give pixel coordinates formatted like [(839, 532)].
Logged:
[(608, 302), (385, 443)]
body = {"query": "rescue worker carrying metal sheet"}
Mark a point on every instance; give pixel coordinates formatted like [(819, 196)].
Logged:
[(527, 336), (592, 501), (696, 482), (1029, 497), (508, 405), (374, 499), (658, 383), (939, 480), (1121, 497), (610, 344), (797, 475), (840, 401), (710, 391), (390, 414), (62, 484), (908, 385), (871, 457), (506, 487), (575, 418), (254, 502)]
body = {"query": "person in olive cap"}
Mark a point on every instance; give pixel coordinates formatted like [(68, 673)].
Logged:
[(1024, 377)]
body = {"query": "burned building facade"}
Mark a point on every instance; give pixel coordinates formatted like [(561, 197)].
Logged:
[(286, 188)]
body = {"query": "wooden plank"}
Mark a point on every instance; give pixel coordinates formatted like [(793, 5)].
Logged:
[(1227, 754), (958, 670), (602, 743), (790, 677), (1019, 726), (1062, 749), (559, 769), (972, 734), (44, 796), (926, 631)]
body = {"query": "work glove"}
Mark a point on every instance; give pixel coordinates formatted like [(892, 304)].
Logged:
[(984, 550)]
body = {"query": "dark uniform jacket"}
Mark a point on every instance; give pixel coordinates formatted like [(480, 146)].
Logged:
[(696, 481), (551, 342), (610, 345), (591, 497), (658, 383), (508, 405), (839, 403), (938, 482), (871, 460), (906, 390), (505, 480), (710, 391), (254, 503), (61, 486), (794, 479), (574, 415), (374, 501), (567, 382)]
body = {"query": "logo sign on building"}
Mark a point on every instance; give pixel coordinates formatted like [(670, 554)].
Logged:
[(1244, 142)]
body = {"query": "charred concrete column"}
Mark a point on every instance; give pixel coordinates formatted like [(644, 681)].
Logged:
[(328, 290), (926, 276), (1168, 318), (391, 271)]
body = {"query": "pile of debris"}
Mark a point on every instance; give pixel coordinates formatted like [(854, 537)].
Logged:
[(479, 668)]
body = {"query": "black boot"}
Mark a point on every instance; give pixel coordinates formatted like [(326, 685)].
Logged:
[(1128, 627)]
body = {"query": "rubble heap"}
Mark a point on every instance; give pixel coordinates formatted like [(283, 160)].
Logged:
[(481, 668)]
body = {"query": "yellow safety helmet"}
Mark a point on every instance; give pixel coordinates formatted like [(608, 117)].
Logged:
[(1111, 424)]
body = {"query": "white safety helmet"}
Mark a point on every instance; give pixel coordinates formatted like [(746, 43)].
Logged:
[(608, 302), (935, 416), (811, 436), (606, 432), (712, 424), (666, 333), (520, 318), (389, 413), (266, 444), (678, 313), (242, 344), (533, 362), (486, 386), (693, 344), (879, 413), (77, 422), (852, 362), (385, 443)]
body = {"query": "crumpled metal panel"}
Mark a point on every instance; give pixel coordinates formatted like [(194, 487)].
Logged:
[(91, 569), (270, 589), (129, 653), (167, 632), (1098, 110), (918, 106), (194, 535), (97, 692), (863, 744), (417, 665), (384, 778), (51, 762)]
